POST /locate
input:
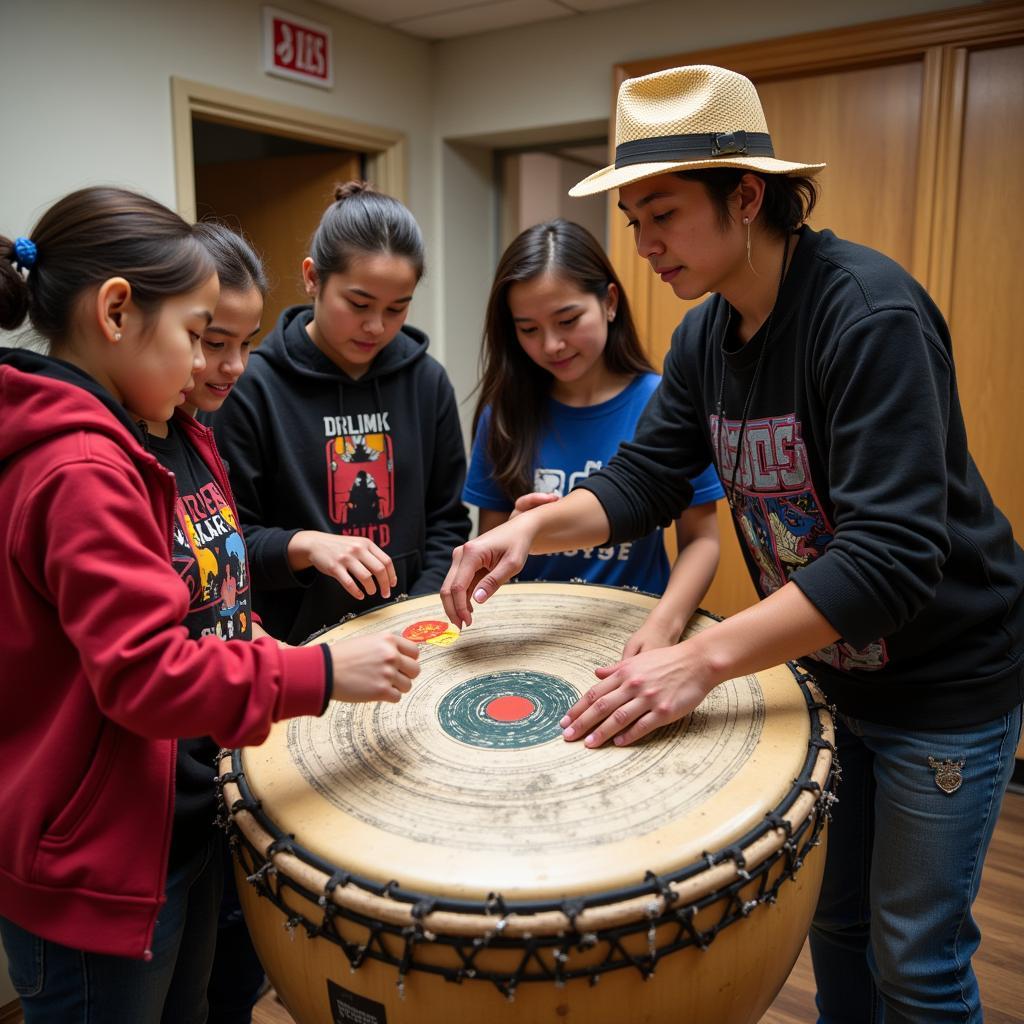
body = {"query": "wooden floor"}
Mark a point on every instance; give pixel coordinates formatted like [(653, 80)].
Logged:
[(999, 963)]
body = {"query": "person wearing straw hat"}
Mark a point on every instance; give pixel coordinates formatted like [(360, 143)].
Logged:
[(819, 376)]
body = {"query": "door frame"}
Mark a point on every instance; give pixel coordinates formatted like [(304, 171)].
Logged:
[(384, 148)]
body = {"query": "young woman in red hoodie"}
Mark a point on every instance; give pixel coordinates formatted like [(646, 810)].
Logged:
[(100, 676)]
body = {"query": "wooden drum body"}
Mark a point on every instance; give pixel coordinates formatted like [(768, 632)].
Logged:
[(452, 859)]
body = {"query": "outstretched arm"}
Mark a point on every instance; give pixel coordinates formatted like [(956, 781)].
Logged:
[(482, 565)]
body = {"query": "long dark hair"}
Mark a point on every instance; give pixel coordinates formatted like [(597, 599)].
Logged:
[(513, 386), (88, 237), (239, 268), (360, 221)]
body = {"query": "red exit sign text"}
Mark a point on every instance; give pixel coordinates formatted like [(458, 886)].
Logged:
[(296, 48)]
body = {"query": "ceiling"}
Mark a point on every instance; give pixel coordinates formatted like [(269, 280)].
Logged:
[(446, 19)]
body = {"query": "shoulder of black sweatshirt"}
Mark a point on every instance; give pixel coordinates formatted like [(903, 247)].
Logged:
[(854, 480), (311, 448)]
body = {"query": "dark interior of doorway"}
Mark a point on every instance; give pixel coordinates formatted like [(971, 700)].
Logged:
[(272, 188)]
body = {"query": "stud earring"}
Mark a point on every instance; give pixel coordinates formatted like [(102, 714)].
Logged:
[(117, 335)]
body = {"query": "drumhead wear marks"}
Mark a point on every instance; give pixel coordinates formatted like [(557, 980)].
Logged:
[(457, 770), (506, 710)]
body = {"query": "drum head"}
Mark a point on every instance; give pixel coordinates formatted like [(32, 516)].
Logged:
[(466, 787)]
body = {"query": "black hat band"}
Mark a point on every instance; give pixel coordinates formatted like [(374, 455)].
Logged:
[(699, 146)]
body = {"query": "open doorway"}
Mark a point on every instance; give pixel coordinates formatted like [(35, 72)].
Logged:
[(274, 189), (270, 169), (533, 186)]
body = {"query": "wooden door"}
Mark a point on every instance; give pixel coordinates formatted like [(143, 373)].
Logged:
[(278, 202), (979, 276), (884, 105)]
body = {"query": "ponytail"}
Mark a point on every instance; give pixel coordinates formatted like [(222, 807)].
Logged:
[(88, 237)]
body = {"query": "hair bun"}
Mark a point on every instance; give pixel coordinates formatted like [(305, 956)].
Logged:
[(14, 294), (352, 188)]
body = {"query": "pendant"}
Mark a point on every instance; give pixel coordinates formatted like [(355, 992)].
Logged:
[(948, 774)]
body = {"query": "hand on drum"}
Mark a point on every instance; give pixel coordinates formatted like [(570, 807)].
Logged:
[(649, 637), (369, 668), (482, 565), (638, 695), (356, 563)]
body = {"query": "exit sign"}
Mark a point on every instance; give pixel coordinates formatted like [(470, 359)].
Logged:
[(296, 48)]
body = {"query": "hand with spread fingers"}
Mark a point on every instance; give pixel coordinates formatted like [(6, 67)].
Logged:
[(638, 695), (368, 668), (356, 563)]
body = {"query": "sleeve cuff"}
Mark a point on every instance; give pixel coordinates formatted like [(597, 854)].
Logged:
[(328, 676), (303, 681)]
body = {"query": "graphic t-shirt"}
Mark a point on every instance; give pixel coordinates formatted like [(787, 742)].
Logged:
[(576, 442), (210, 557), (311, 448)]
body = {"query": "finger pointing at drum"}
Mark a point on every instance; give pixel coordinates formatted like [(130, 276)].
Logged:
[(481, 566)]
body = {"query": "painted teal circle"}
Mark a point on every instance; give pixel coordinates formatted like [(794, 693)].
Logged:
[(463, 710)]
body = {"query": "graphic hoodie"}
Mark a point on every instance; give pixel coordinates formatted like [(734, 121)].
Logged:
[(310, 448), (97, 673), (852, 479)]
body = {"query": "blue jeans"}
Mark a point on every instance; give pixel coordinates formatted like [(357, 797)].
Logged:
[(893, 934), (60, 985)]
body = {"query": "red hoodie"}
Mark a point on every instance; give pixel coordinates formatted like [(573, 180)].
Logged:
[(97, 673)]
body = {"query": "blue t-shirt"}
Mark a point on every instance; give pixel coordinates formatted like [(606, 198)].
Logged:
[(577, 442)]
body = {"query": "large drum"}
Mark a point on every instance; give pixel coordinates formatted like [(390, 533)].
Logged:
[(452, 859)]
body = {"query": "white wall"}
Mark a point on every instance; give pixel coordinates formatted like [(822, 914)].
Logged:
[(87, 94)]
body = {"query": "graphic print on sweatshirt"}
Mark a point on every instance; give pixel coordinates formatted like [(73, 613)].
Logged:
[(210, 557), (780, 516), (554, 481), (360, 475)]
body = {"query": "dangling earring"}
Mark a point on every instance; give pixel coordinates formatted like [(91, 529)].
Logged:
[(746, 220)]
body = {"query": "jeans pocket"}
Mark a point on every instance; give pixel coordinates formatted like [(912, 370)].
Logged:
[(25, 959)]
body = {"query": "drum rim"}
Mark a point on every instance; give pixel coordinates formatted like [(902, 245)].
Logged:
[(772, 820)]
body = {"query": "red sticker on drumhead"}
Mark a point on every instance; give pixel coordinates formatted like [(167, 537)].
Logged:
[(420, 632)]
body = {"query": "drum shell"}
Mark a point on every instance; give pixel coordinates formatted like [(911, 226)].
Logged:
[(732, 981)]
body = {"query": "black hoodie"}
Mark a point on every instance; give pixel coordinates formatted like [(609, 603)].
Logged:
[(854, 480), (309, 448)]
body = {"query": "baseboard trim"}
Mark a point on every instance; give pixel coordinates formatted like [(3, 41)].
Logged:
[(11, 1013)]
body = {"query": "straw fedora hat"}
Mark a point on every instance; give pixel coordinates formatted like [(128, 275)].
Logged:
[(686, 119)]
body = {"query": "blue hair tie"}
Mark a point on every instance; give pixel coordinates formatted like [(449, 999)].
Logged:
[(24, 253)]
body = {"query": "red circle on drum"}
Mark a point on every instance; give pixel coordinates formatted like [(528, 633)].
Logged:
[(510, 709), (425, 630)]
